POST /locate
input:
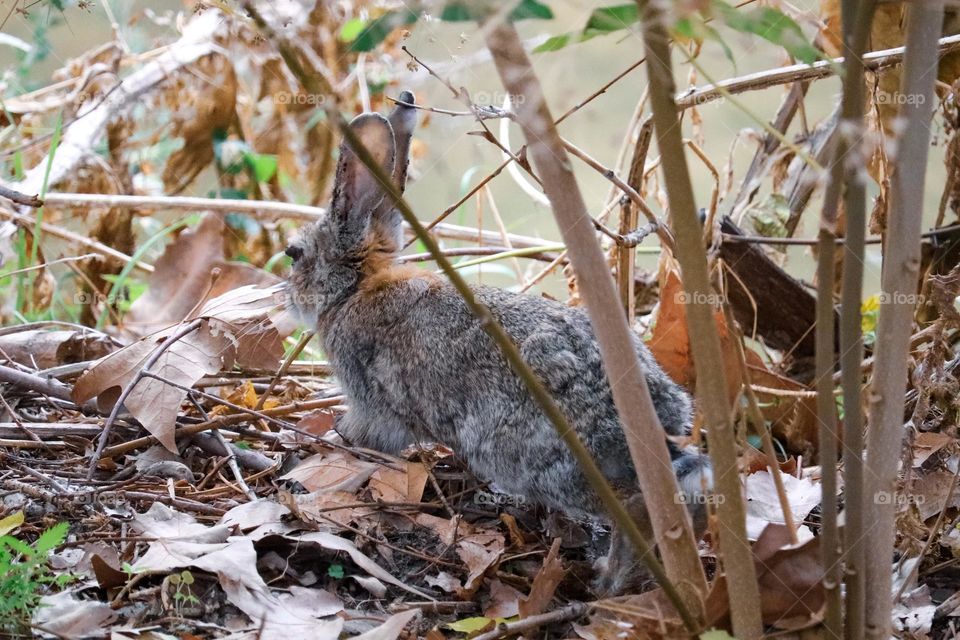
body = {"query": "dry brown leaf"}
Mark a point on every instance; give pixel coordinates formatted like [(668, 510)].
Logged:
[(192, 270), (317, 422), (324, 509), (392, 628), (503, 601), (481, 552), (46, 349), (203, 104), (789, 576), (250, 515), (479, 549), (70, 617), (517, 540), (234, 328), (152, 402), (544, 584), (332, 471), (929, 492), (927, 443), (649, 616), (108, 575), (670, 341), (393, 485), (181, 276)]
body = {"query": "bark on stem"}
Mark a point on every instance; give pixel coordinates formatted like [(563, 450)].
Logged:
[(708, 359), (648, 448), (900, 268), (857, 18)]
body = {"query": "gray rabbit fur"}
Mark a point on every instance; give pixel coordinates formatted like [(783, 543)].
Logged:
[(416, 365)]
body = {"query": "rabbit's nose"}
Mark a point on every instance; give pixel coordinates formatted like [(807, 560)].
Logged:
[(294, 252)]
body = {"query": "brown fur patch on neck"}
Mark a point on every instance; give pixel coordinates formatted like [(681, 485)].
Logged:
[(380, 270)]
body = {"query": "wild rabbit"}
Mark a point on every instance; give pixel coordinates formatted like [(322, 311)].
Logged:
[(416, 365)]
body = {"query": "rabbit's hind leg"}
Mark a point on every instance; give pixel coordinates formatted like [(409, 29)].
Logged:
[(621, 569)]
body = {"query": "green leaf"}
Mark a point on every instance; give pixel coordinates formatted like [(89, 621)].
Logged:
[(263, 165), (465, 11), (335, 571), (457, 12), (716, 634), (351, 29), (51, 538), (613, 18), (694, 28), (528, 9), (375, 31), (770, 24), (555, 43), (601, 22)]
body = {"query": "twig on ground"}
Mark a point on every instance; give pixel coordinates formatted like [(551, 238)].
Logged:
[(31, 382), (563, 614)]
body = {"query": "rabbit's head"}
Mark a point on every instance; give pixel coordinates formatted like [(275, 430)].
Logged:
[(362, 229)]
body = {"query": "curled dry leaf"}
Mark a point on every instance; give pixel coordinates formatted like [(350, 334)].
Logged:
[(763, 504), (791, 592), (70, 617), (479, 549), (392, 628), (244, 326), (504, 601), (46, 349), (544, 584), (191, 270)]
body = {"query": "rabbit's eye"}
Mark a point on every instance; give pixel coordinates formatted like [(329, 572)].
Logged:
[(294, 252)]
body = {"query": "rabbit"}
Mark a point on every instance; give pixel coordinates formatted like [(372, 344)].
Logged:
[(417, 366)]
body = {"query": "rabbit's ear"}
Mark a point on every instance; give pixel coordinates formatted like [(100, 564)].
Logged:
[(403, 119), (357, 193), (387, 220)]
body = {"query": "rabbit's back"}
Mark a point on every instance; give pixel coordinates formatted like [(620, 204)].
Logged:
[(416, 364)]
